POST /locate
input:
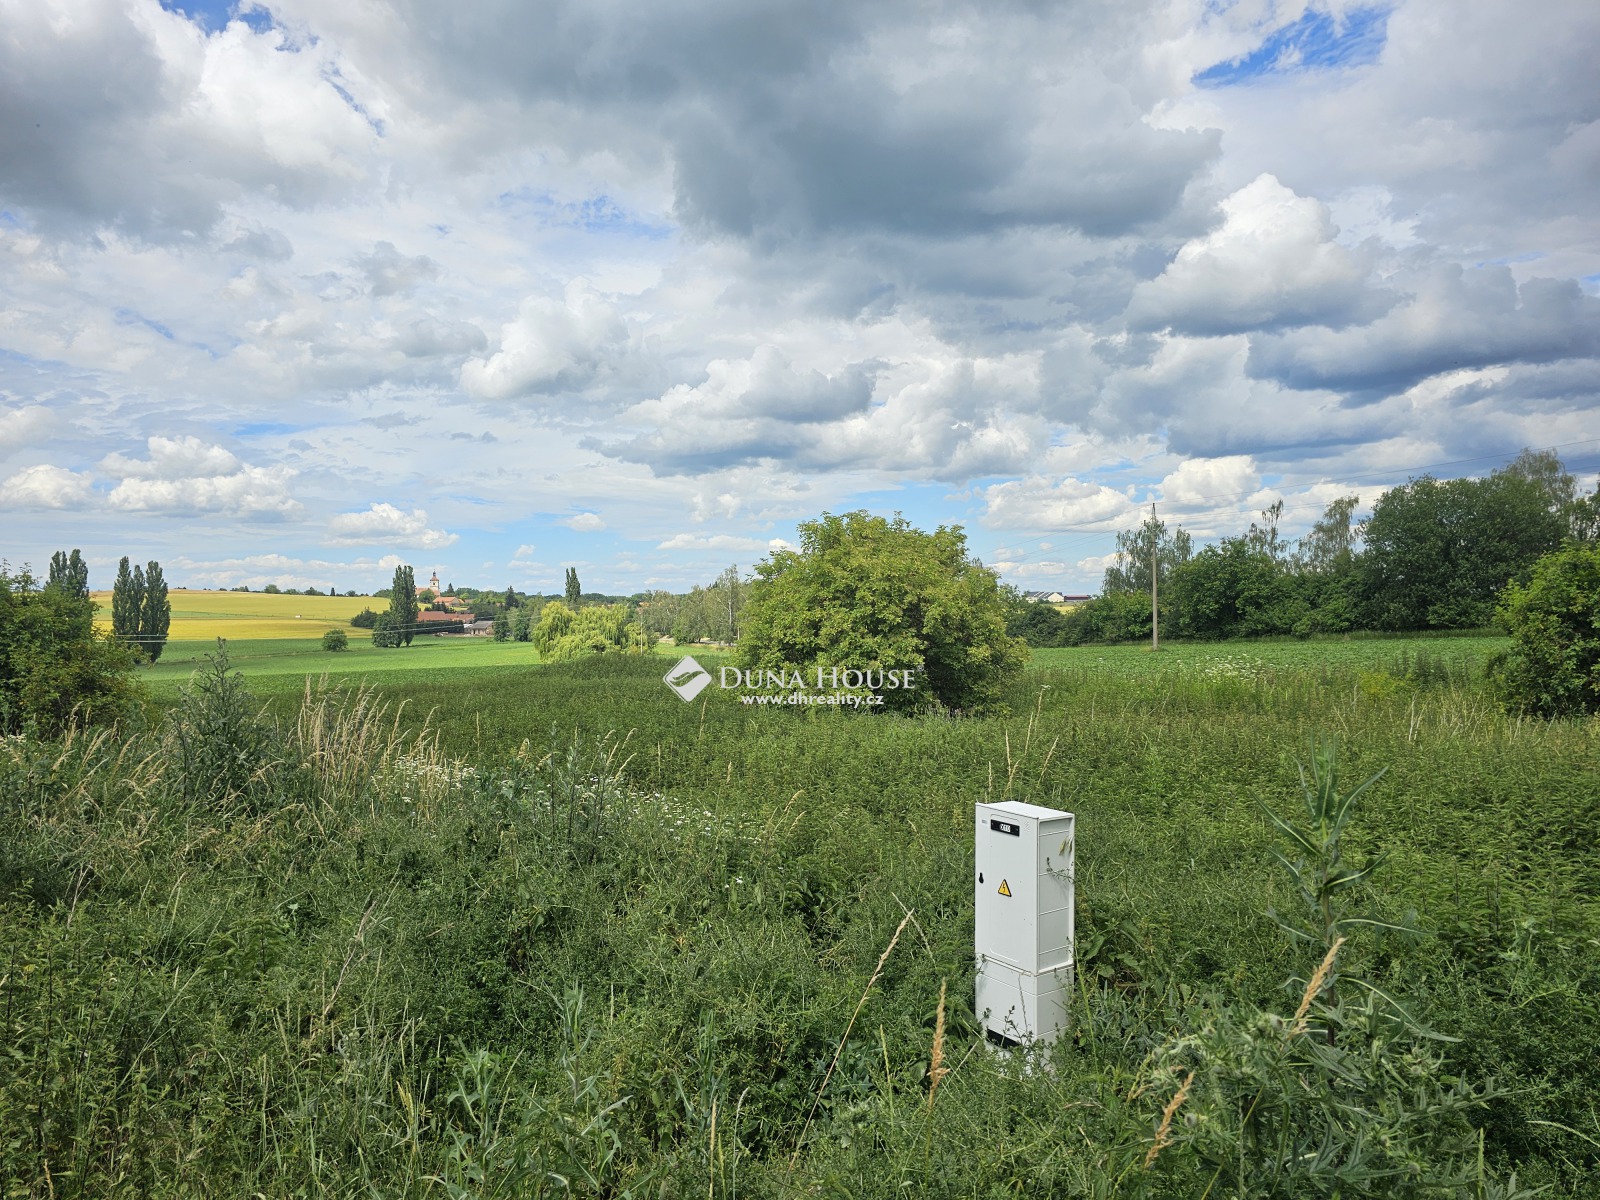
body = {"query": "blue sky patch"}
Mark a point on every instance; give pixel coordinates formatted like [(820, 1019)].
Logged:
[(212, 15), (1315, 42)]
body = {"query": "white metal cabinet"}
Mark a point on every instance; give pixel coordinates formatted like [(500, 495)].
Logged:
[(1023, 918)]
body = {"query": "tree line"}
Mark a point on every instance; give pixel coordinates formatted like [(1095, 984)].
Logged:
[(1433, 555)]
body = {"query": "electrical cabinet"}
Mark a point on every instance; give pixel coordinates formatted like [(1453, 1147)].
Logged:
[(1023, 920)]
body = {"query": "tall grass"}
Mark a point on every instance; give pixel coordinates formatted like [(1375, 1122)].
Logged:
[(565, 934)]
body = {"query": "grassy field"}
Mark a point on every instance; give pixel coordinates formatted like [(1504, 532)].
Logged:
[(583, 929)]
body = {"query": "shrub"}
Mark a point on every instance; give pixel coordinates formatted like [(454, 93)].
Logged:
[(1553, 667), (365, 619), (335, 640), (385, 635), (219, 744)]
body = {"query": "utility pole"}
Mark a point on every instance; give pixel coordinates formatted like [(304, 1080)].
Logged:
[(1155, 570)]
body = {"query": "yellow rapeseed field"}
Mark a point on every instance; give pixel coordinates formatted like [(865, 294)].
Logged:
[(248, 615)]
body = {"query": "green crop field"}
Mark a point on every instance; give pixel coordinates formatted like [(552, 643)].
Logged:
[(498, 924)]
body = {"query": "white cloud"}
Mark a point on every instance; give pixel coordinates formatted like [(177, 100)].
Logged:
[(173, 458), (552, 346), (385, 525), (1273, 263), (184, 475), (45, 487), (1068, 503), (22, 426), (523, 551), (1218, 482), (585, 523)]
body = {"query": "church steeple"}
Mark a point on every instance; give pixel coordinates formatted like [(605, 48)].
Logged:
[(434, 583)]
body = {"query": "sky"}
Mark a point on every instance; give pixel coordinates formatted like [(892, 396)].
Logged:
[(296, 291)]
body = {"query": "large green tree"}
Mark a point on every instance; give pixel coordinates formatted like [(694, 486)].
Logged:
[(865, 593), (574, 590), (1237, 588), (55, 669), (403, 608), (1438, 552)]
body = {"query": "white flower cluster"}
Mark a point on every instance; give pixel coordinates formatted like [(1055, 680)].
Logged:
[(1227, 667)]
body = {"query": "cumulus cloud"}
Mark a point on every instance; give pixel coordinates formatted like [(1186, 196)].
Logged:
[(184, 475), (383, 524), (552, 346), (173, 458), (1208, 480), (585, 523), (175, 124), (1062, 504), (950, 418), (45, 487), (1272, 263), (746, 410)]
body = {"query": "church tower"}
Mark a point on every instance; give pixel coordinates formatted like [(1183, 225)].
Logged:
[(434, 583)]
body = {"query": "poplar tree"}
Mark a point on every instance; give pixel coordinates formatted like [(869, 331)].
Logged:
[(69, 573), (403, 607), (127, 601), (155, 612), (574, 590)]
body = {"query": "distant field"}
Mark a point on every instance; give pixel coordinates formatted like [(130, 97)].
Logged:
[(277, 641), (205, 616), (305, 656), (1465, 655)]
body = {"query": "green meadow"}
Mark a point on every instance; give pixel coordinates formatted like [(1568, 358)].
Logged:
[(473, 926)]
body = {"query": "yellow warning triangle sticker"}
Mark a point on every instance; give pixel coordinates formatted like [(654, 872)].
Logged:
[(1005, 888)]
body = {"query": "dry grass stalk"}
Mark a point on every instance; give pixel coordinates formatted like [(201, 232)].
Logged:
[(1318, 978), (860, 1004), (936, 1068), (1164, 1130)]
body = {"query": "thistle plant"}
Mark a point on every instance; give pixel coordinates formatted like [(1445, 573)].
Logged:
[(1324, 882)]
